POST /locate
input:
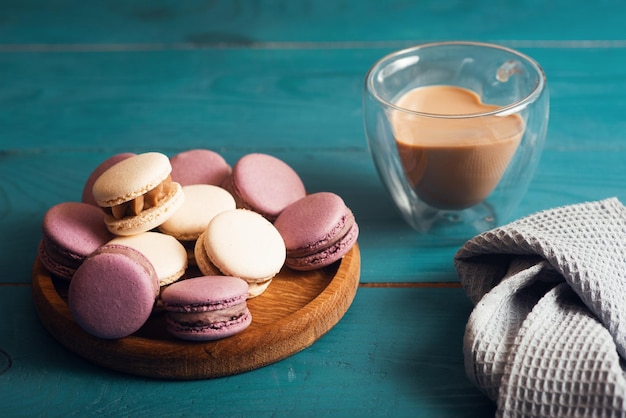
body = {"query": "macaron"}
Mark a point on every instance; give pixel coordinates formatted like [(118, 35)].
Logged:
[(206, 308), (137, 194), (87, 196), (318, 230), (264, 184), (70, 232), (199, 166), (166, 254), (202, 203), (113, 292), (241, 243)]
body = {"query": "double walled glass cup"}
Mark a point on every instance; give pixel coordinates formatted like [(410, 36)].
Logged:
[(456, 130)]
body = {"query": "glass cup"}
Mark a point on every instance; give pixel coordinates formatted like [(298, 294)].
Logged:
[(456, 131)]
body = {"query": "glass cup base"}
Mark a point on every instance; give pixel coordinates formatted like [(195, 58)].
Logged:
[(453, 226)]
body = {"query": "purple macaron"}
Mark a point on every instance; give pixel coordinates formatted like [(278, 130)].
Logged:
[(199, 166), (318, 230), (264, 184), (113, 292), (71, 231), (101, 168), (206, 308)]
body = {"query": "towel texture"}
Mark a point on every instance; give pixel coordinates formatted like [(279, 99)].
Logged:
[(547, 334)]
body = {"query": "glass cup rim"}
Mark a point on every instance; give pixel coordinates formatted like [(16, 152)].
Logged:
[(509, 109)]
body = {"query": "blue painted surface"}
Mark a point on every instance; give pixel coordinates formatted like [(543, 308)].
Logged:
[(79, 82)]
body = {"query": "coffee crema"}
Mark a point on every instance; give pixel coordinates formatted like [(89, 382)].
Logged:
[(453, 163)]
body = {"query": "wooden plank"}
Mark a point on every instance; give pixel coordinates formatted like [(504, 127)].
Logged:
[(396, 352), (198, 22), (587, 93), (280, 100), (118, 100)]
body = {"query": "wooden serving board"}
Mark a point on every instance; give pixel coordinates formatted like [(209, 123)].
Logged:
[(294, 312)]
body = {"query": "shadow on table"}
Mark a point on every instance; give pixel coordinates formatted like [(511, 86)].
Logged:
[(430, 365)]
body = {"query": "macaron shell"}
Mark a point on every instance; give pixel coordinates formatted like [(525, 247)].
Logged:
[(202, 259), (202, 202), (199, 166), (131, 178), (317, 230), (113, 292), (264, 184), (255, 287), (70, 232), (244, 244), (165, 253), (327, 256), (87, 196), (206, 293), (150, 218), (209, 332)]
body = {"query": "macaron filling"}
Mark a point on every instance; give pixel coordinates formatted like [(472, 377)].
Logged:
[(211, 318), (201, 327), (152, 198)]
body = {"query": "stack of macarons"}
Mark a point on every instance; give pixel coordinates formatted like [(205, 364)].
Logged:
[(145, 219)]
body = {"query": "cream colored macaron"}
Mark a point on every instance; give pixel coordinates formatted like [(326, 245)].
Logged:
[(243, 244), (137, 194), (167, 255), (202, 203)]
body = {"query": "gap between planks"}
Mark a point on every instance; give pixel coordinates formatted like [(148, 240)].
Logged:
[(403, 285), (385, 285), (285, 45)]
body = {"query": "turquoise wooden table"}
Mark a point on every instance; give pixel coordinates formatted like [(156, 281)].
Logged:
[(80, 81)]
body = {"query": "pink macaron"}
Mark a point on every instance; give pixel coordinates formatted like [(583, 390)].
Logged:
[(206, 308), (264, 184), (71, 231), (113, 292), (199, 166), (101, 168), (318, 230)]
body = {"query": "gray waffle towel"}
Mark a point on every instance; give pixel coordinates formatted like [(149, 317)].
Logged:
[(547, 334)]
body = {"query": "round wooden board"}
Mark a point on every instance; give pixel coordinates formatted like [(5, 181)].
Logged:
[(294, 312)]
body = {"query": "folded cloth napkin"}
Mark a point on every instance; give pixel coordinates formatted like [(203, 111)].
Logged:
[(547, 336)]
